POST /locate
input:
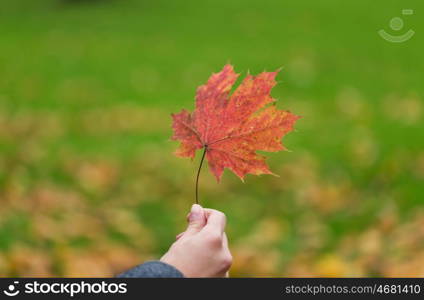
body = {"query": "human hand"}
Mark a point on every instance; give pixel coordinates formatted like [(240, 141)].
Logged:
[(202, 250)]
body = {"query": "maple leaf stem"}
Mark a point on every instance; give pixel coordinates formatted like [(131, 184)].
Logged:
[(198, 174)]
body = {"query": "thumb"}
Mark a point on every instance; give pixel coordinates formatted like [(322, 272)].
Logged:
[(196, 220)]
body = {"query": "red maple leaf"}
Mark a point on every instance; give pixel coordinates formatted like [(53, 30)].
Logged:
[(231, 128)]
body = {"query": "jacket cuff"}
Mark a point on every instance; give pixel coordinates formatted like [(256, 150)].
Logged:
[(152, 269)]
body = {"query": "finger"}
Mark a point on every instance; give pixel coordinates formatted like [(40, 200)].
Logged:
[(215, 220), (178, 236), (196, 220)]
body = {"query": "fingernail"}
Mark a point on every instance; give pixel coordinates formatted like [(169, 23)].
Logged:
[(195, 213)]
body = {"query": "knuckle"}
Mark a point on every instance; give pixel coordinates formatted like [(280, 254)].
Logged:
[(217, 213), (214, 239), (227, 261), (222, 215)]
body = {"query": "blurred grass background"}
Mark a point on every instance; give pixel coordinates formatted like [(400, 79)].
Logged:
[(88, 182)]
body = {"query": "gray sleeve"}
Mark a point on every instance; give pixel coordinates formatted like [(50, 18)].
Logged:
[(152, 269)]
